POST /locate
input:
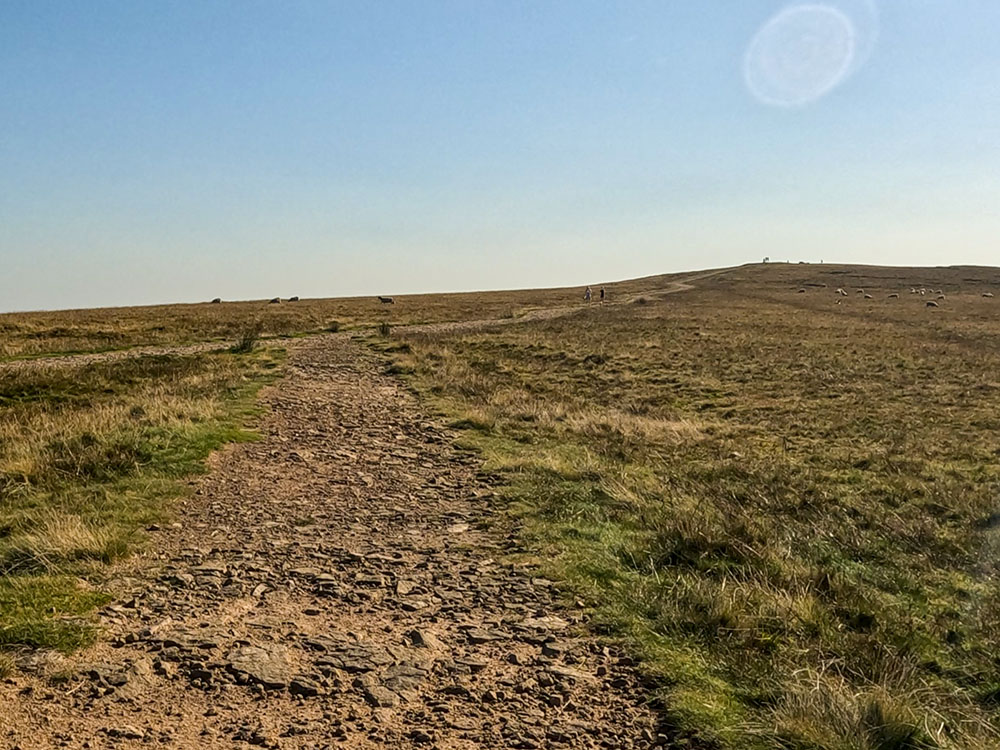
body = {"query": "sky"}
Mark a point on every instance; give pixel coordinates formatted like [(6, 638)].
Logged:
[(180, 151)]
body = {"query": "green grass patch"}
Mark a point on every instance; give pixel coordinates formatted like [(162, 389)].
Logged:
[(89, 455), (47, 611)]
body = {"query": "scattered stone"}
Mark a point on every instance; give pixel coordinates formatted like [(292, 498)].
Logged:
[(125, 732), (304, 686), (265, 666), (355, 658), (472, 664), (425, 639), (348, 497), (479, 635), (378, 695)]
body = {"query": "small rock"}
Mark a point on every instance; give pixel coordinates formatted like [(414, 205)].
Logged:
[(265, 666), (125, 732), (304, 686), (425, 639), (381, 697)]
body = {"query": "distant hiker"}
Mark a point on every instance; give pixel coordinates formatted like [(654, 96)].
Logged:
[(587, 294), (602, 295)]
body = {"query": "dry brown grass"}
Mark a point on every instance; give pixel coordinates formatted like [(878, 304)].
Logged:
[(787, 501), (89, 453), (55, 539)]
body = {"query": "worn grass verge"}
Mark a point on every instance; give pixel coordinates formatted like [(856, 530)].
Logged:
[(789, 509), (89, 455)]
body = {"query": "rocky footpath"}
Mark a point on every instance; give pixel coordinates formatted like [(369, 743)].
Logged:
[(335, 585)]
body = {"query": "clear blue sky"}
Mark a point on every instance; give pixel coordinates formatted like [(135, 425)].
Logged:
[(178, 151)]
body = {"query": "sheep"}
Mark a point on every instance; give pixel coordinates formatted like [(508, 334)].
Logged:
[(387, 300), (293, 299), (893, 296), (868, 296), (923, 292), (913, 291), (802, 291), (988, 295), (841, 292), (931, 303), (275, 301), (217, 301), (860, 291), (940, 296)]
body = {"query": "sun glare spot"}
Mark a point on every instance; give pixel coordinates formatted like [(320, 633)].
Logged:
[(800, 55)]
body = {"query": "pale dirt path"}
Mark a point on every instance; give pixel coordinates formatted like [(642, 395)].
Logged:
[(550, 313), (336, 584)]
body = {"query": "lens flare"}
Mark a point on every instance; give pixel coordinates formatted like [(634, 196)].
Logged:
[(801, 54)]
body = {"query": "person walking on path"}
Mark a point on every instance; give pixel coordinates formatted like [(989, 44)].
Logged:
[(587, 295)]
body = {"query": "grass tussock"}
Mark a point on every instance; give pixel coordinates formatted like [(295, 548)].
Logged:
[(248, 339), (88, 455), (788, 507)]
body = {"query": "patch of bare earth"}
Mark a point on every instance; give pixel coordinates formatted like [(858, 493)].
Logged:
[(334, 585)]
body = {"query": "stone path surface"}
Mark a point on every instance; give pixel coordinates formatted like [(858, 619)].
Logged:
[(334, 585)]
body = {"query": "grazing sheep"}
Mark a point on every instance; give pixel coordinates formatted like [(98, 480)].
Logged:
[(387, 300), (275, 301), (868, 296), (923, 292), (217, 301), (860, 291), (802, 291), (293, 299), (931, 303), (988, 294), (940, 296), (913, 291), (893, 296)]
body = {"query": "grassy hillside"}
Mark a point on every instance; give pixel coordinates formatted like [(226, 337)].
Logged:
[(787, 499), (72, 331)]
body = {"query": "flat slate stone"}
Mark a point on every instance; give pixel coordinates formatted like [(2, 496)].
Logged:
[(266, 666)]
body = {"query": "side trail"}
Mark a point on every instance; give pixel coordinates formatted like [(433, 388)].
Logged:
[(334, 585)]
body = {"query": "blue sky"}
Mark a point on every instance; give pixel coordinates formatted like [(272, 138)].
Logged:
[(178, 151)]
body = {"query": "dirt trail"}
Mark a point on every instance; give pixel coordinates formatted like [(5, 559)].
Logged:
[(550, 313), (334, 585)]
